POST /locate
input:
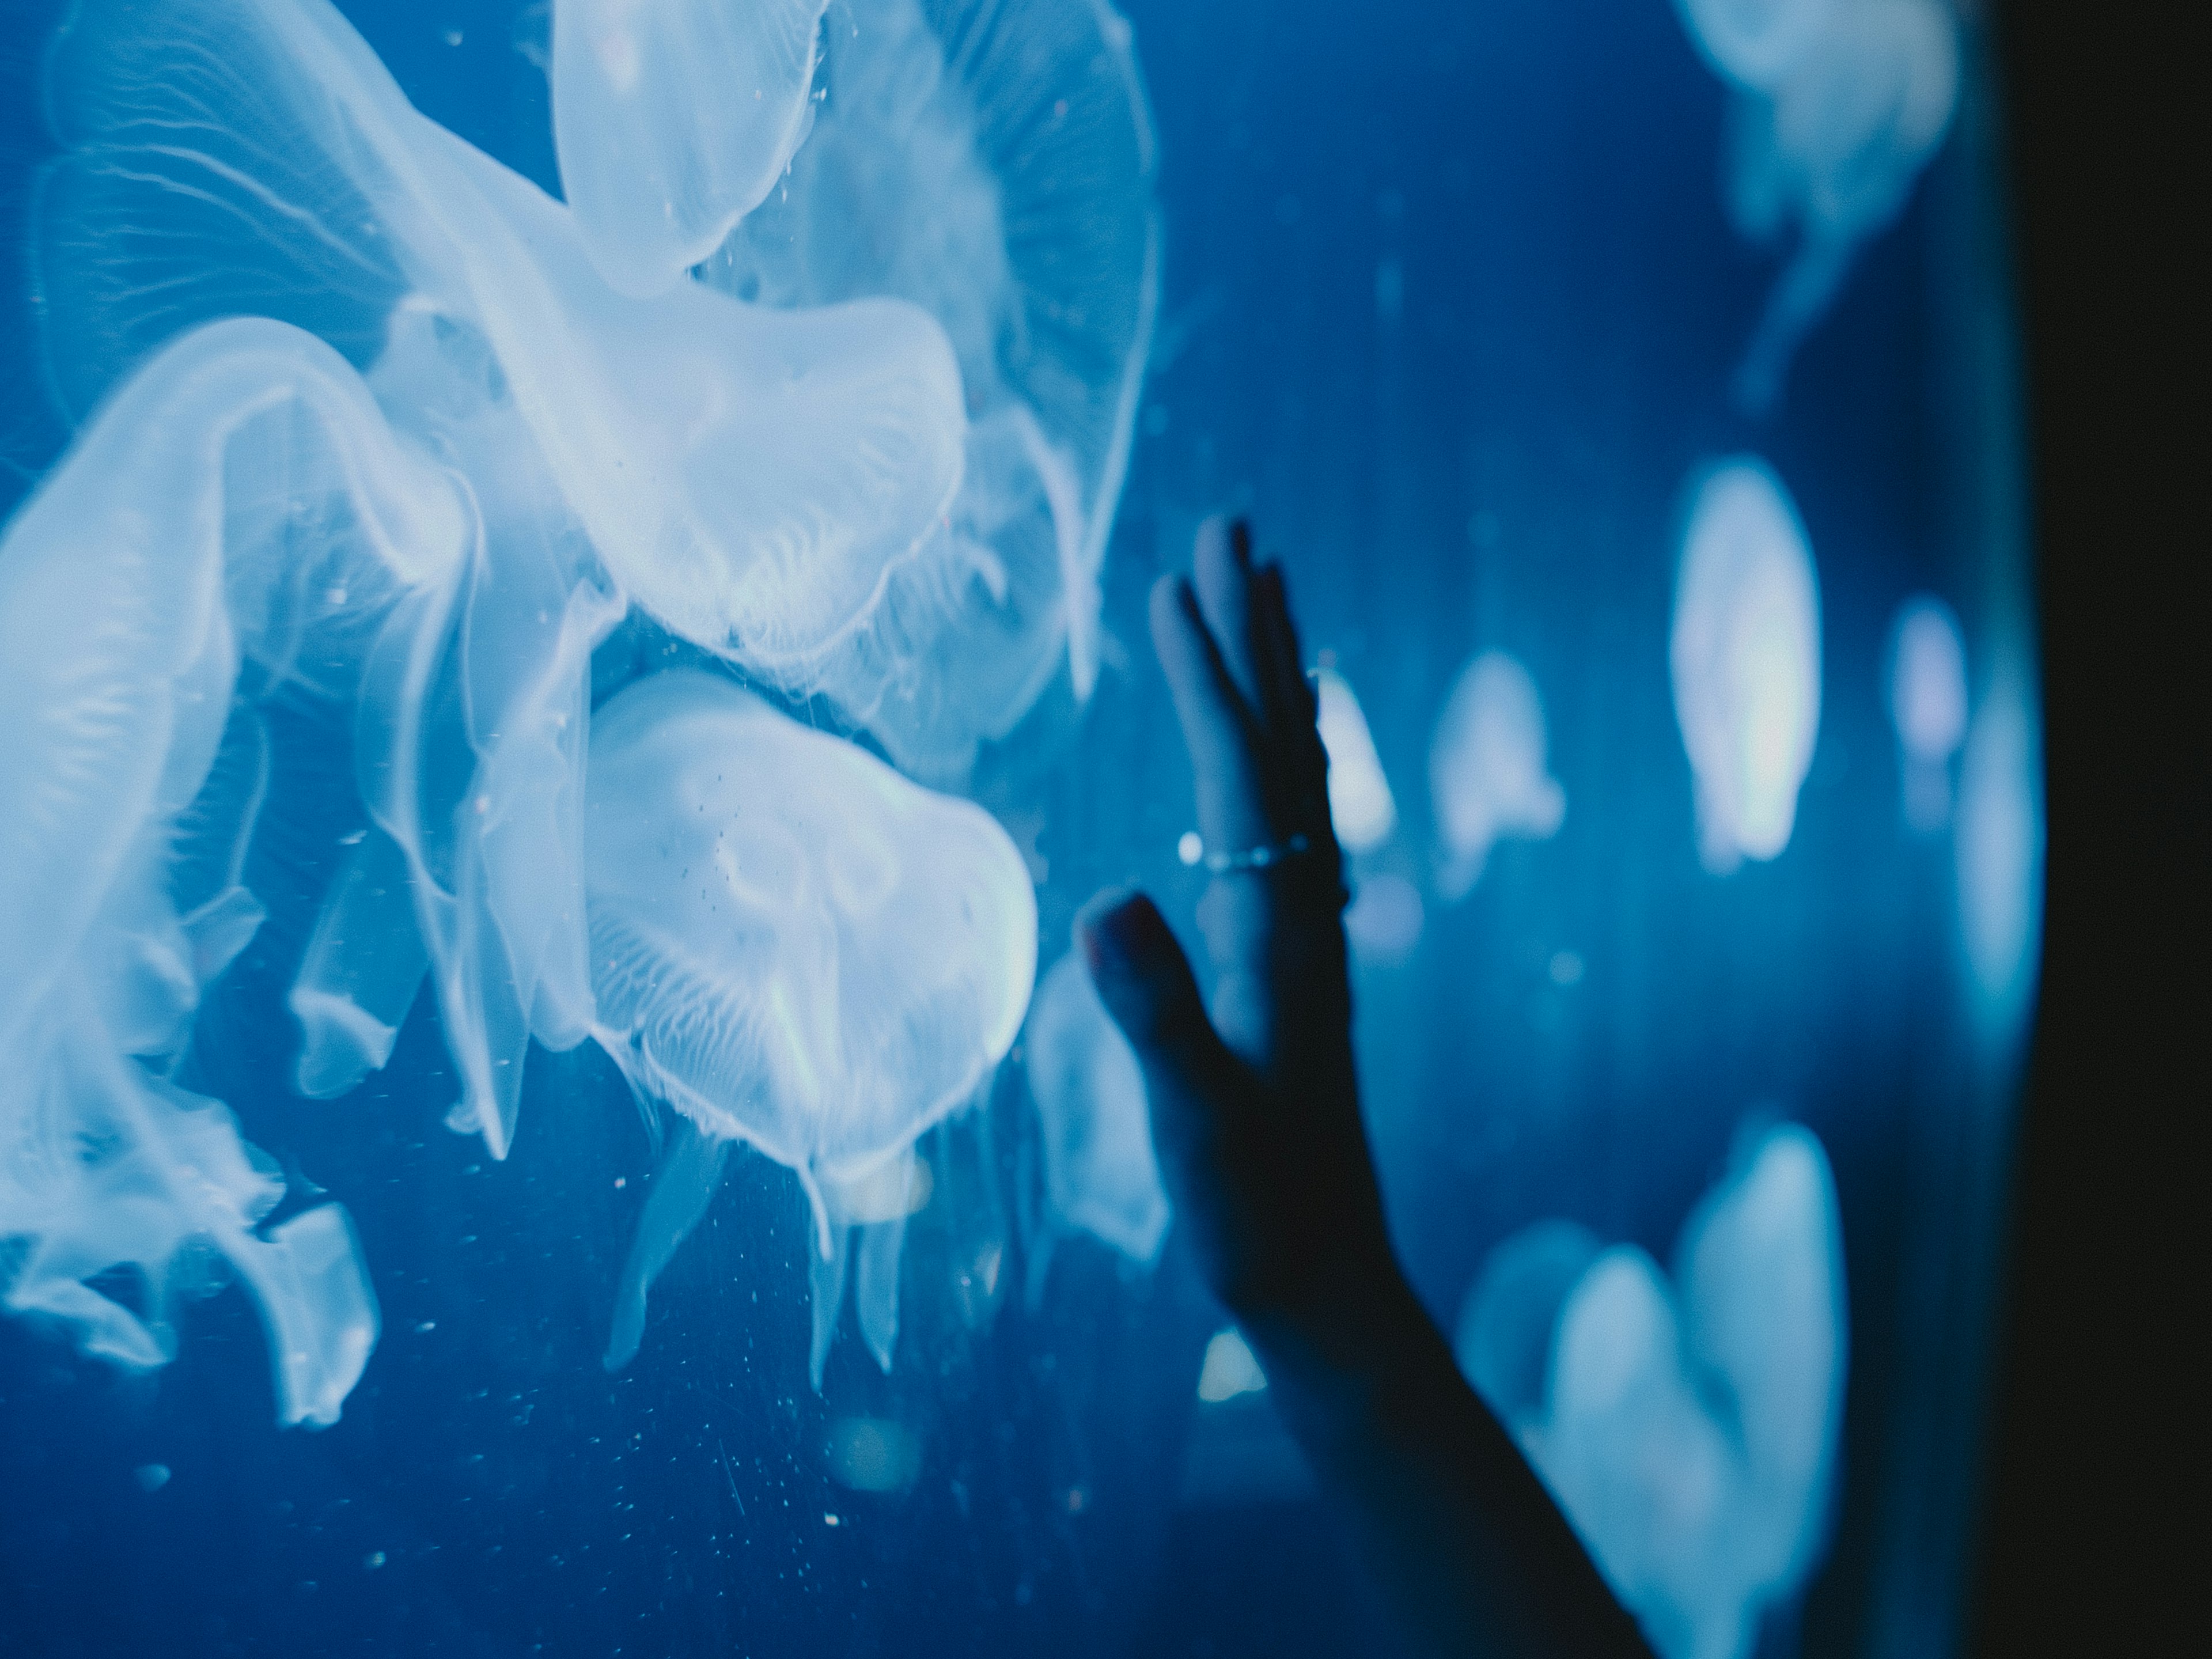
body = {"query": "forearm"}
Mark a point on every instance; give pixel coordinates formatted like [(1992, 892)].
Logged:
[(1466, 1542)]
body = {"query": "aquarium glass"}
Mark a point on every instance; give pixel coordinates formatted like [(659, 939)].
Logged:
[(572, 642)]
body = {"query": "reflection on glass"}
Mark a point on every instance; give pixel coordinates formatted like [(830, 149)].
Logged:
[(1927, 707)]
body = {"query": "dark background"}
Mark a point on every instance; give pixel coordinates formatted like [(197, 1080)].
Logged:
[(2093, 1511)]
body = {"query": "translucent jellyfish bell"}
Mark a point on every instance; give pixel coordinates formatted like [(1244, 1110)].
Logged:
[(748, 475), (1487, 772), (793, 947), (1927, 706), (1745, 653), (992, 163), (226, 503), (1690, 1428), (1839, 105), (1100, 1173), (1360, 802), (673, 121)]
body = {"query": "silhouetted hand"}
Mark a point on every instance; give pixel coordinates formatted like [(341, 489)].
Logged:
[(1255, 1109), (1255, 1115)]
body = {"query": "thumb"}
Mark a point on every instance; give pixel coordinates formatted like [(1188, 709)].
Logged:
[(1144, 980)]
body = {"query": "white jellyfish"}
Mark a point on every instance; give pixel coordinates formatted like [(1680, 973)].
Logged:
[(793, 947), (1837, 107), (674, 120), (747, 474), (1101, 1176), (1927, 706), (1487, 768), (1688, 1429), (993, 163), (226, 506), (1745, 653), (1360, 802)]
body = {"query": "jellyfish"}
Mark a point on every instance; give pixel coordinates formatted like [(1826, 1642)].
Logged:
[(1927, 706), (1100, 1175), (1836, 106), (795, 947), (744, 474), (672, 122), (1745, 653), (205, 540), (1687, 1426), (992, 163), (1360, 802), (749, 475), (1487, 768)]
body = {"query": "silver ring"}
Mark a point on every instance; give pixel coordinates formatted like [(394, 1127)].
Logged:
[(1265, 856)]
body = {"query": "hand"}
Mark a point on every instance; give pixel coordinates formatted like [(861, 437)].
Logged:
[(1256, 1106)]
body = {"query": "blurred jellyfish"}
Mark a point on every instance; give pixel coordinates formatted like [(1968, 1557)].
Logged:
[(1487, 769), (1360, 800), (793, 947), (673, 121), (1100, 1175), (1689, 1430), (224, 510), (1745, 653), (1997, 845), (1383, 922), (1837, 107), (1928, 706), (749, 475), (992, 164)]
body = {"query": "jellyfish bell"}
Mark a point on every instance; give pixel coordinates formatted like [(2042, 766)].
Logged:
[(1101, 1175), (1487, 768), (994, 165), (160, 558), (1745, 656), (673, 121), (1927, 698), (1753, 42), (793, 947), (1360, 804), (747, 474)]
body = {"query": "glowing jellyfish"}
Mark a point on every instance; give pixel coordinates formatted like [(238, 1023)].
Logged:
[(1838, 106), (1927, 706), (1360, 802), (793, 947), (1688, 1429), (1745, 653), (992, 164), (1487, 768), (225, 508), (748, 475), (1100, 1175), (673, 121)]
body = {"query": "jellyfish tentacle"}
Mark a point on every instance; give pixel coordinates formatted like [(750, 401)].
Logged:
[(683, 1184)]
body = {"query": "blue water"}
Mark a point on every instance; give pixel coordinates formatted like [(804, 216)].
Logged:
[(1451, 308)]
